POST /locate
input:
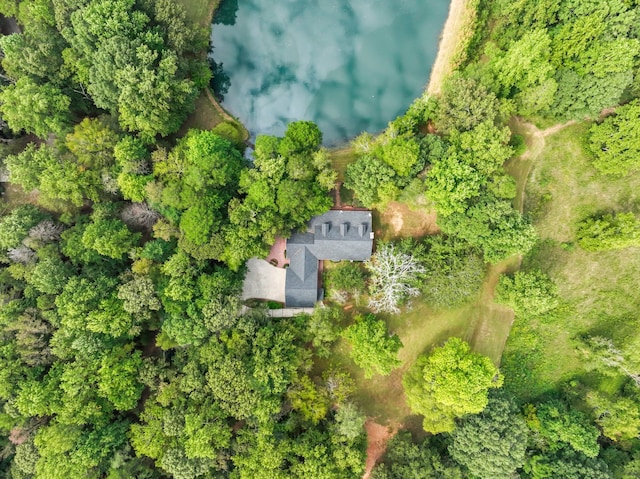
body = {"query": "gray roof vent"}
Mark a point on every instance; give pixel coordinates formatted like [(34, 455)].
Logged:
[(325, 229), (362, 229), (343, 229)]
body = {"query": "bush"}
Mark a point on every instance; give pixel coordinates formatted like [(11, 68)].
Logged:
[(530, 294)]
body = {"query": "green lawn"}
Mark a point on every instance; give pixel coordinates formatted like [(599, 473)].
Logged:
[(599, 290), (341, 158), (482, 323)]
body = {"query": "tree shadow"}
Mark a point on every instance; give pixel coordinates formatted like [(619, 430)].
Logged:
[(226, 13)]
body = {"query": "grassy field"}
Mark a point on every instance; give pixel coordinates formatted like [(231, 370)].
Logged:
[(599, 290), (482, 323)]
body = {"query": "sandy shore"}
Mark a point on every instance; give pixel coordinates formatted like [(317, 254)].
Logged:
[(449, 41)]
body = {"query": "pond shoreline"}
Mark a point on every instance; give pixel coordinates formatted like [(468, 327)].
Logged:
[(452, 39)]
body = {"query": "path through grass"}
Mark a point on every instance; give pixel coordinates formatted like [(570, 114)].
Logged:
[(599, 289)]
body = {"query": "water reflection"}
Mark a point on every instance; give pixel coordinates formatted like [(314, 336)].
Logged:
[(350, 66)]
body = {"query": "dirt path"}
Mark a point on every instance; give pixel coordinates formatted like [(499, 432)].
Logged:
[(449, 43), (377, 438), (534, 138)]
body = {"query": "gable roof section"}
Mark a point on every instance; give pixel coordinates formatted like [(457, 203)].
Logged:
[(336, 235), (301, 284), (342, 235)]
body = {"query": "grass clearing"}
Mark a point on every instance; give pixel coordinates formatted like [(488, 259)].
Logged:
[(204, 117), (482, 323), (200, 12), (599, 290), (341, 158)]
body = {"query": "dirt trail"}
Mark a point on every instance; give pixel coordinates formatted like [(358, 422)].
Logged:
[(377, 438), (534, 138)]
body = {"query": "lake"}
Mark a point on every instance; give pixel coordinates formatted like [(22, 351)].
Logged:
[(349, 65)]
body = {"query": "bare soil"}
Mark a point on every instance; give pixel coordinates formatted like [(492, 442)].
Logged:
[(449, 43), (403, 222), (377, 438)]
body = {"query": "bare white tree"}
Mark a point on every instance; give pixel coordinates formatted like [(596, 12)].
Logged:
[(46, 231), (393, 274), (139, 214), (612, 357), (21, 254)]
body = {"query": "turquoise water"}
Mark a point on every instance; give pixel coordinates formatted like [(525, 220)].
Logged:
[(348, 65)]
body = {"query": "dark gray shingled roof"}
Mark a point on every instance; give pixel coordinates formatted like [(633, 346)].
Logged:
[(336, 235)]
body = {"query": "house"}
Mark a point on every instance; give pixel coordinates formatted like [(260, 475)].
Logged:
[(336, 235)]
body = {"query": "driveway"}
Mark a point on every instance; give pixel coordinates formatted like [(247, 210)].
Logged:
[(264, 281)]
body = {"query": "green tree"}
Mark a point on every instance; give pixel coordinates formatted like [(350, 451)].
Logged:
[(558, 423), (609, 232), (372, 180), (350, 421), (492, 444), (92, 142), (152, 100), (618, 416), (465, 104), (345, 279), (454, 272), (405, 459), (15, 227), (449, 383), (109, 237), (59, 179), (38, 109), (528, 293), (616, 141), (372, 348)]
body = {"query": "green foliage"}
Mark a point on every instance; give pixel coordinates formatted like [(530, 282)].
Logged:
[(466, 104), (529, 294), (56, 177), (616, 141), (322, 328), (567, 464), (454, 272), (92, 143), (372, 348), (405, 459), (152, 100), (109, 237), (609, 232), (309, 400), (283, 191), (34, 108), (492, 444), (372, 180), (618, 416), (449, 383), (350, 421), (15, 227), (347, 278), (556, 423)]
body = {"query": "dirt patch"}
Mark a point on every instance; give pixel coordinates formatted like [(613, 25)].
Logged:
[(451, 41), (401, 221), (377, 438)]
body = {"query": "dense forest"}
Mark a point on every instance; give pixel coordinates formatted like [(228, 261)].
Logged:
[(126, 351)]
